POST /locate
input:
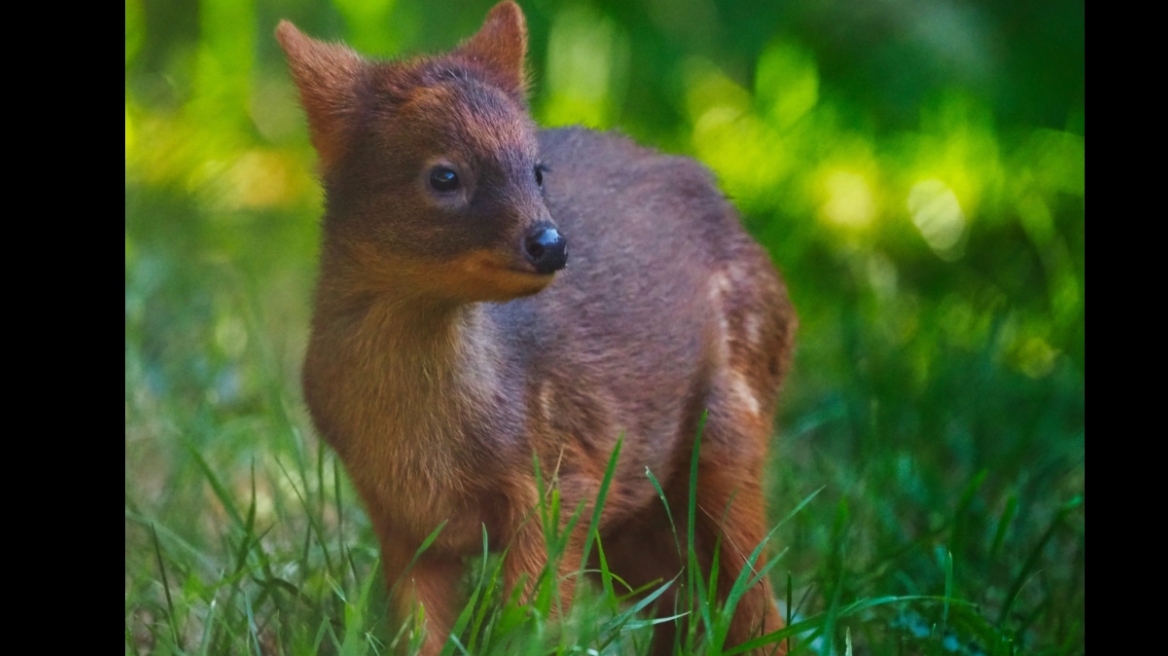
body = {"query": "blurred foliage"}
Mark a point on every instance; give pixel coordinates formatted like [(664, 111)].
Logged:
[(916, 169)]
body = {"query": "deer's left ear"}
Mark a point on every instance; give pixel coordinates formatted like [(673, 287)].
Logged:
[(500, 46)]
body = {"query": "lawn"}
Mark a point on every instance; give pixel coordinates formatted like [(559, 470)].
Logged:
[(915, 171)]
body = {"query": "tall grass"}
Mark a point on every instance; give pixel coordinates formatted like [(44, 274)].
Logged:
[(926, 480), (243, 536)]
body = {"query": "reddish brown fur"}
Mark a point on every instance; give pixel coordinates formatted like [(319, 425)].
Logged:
[(440, 360)]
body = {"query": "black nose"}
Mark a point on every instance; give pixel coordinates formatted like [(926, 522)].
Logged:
[(546, 248)]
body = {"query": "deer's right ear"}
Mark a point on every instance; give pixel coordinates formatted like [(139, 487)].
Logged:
[(501, 46), (326, 75)]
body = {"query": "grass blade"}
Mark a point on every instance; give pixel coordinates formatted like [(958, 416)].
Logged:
[(220, 491), (1032, 559), (600, 497), (165, 587)]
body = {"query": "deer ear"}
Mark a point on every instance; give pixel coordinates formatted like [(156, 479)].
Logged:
[(326, 75), (501, 46)]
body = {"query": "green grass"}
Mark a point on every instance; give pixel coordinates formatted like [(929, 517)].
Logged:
[(927, 476), (897, 536), (938, 477)]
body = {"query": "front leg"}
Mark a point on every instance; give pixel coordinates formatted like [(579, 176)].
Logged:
[(524, 560), (527, 554), (431, 583)]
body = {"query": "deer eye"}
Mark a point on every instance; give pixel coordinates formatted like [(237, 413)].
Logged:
[(539, 171), (443, 179)]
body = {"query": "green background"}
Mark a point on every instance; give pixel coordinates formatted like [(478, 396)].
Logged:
[(915, 168)]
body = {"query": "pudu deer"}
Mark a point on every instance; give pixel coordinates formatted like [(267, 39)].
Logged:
[(455, 340)]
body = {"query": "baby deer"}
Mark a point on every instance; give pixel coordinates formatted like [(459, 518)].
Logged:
[(455, 337)]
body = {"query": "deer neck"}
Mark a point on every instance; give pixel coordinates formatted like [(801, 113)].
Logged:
[(424, 375)]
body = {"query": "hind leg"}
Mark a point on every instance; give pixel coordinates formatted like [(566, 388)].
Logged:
[(731, 511), (730, 518), (645, 553), (752, 346)]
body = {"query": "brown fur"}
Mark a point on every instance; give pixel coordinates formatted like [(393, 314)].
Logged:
[(440, 360)]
